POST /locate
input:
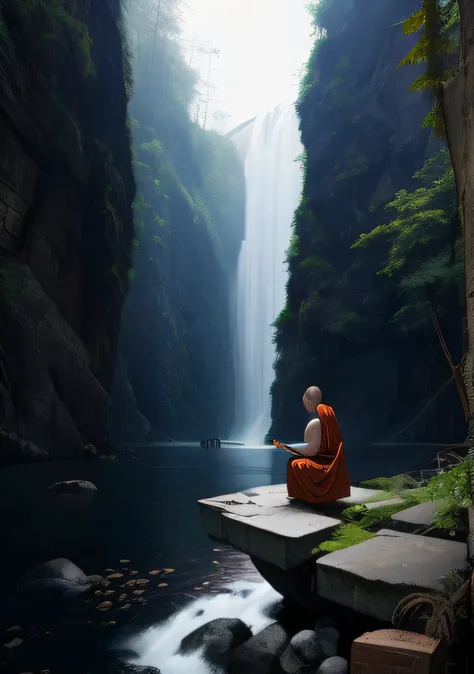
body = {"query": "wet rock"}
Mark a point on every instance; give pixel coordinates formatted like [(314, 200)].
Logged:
[(129, 668), (218, 640), (14, 449), (303, 650), (334, 665), (328, 639), (306, 646), (56, 579), (71, 487), (261, 654)]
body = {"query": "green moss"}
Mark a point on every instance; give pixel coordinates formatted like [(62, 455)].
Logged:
[(345, 536)]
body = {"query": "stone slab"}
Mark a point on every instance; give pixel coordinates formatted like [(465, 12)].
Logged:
[(264, 523), (417, 517), (372, 577)]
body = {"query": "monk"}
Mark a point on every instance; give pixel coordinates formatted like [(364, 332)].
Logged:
[(318, 474)]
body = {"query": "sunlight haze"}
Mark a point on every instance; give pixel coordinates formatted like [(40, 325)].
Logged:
[(263, 45)]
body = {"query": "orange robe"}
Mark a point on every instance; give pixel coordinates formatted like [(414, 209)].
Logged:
[(324, 477)]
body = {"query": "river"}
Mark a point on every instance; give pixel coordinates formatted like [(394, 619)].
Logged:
[(145, 511)]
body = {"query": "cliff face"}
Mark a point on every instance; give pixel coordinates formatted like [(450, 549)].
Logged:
[(175, 343), (66, 223), (358, 320)]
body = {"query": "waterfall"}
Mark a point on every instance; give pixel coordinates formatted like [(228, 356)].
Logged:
[(273, 187)]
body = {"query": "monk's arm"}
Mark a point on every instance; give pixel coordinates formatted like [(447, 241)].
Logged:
[(312, 437)]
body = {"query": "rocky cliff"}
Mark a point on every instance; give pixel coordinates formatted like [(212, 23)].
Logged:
[(66, 224), (360, 321)]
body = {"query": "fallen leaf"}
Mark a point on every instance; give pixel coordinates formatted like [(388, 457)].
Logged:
[(14, 642), (98, 592), (122, 597), (138, 591), (168, 570), (126, 606), (45, 671), (109, 592), (114, 576), (133, 573), (109, 623), (215, 562), (142, 581), (130, 583), (111, 457), (104, 606), (125, 561), (206, 583), (155, 572), (163, 585)]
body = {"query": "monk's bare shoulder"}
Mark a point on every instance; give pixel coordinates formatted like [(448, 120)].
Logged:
[(312, 434)]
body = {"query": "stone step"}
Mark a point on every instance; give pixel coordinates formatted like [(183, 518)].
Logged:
[(415, 518), (265, 524), (373, 576)]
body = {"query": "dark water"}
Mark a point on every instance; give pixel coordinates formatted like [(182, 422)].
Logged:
[(145, 511), (145, 508)]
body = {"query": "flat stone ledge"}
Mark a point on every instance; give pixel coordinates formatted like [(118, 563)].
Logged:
[(417, 517), (265, 524), (372, 577)]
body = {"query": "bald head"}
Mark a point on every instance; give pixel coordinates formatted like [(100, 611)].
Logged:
[(312, 398)]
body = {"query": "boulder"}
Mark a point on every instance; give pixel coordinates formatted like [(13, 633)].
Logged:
[(14, 449), (56, 580), (217, 640), (328, 639), (303, 651), (335, 665), (71, 487), (261, 654)]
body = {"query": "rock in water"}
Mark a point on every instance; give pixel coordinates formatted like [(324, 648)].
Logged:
[(261, 653), (334, 665), (329, 639), (56, 579), (218, 639), (73, 487), (304, 650), (14, 449)]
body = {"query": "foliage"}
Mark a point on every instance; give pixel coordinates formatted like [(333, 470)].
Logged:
[(345, 536), (450, 488), (437, 25)]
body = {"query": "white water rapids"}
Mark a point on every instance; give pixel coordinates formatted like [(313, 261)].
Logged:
[(273, 180), (158, 646)]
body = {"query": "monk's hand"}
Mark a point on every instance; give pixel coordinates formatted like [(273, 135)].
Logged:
[(278, 444)]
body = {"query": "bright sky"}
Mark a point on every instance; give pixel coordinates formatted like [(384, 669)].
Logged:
[(263, 44)]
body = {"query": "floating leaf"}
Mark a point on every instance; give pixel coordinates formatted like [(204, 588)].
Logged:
[(215, 562), (111, 457), (133, 573), (45, 671), (138, 591), (125, 606), (206, 582), (125, 561), (109, 592), (15, 628), (14, 642), (109, 570), (104, 606), (131, 583), (142, 581), (114, 576), (122, 597), (109, 623), (155, 572), (163, 585), (168, 570)]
